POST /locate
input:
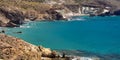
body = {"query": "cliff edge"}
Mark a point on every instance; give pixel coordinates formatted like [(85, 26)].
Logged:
[(12, 48), (13, 13)]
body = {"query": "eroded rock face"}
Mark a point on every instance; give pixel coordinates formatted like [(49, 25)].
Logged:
[(31, 15), (54, 15), (16, 49), (111, 5), (14, 16), (12, 48), (46, 52), (10, 15)]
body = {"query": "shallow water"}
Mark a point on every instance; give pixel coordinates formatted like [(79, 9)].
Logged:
[(93, 34)]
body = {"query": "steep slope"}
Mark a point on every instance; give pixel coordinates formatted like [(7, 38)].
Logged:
[(16, 49), (12, 48), (15, 12)]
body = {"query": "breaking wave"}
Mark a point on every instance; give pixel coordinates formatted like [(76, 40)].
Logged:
[(77, 19), (24, 26)]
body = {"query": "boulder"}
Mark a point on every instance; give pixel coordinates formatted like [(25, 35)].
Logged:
[(46, 52)]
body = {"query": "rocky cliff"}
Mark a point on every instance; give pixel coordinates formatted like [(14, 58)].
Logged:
[(14, 12), (16, 49), (11, 17), (104, 7), (12, 48)]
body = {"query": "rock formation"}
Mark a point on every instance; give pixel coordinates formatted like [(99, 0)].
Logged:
[(10, 17), (16, 49), (14, 12), (106, 7), (54, 15)]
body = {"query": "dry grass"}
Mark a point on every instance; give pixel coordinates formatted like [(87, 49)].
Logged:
[(26, 5)]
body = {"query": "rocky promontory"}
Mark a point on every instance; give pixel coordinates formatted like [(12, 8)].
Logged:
[(14, 12), (12, 48), (14, 16), (10, 17)]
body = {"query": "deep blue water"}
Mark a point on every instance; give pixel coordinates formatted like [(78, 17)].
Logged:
[(93, 34)]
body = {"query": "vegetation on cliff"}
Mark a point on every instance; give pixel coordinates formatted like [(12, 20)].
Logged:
[(15, 12)]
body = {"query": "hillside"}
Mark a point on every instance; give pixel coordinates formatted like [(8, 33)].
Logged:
[(12, 48), (14, 12)]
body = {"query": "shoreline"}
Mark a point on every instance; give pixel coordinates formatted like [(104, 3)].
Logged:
[(83, 55), (16, 13), (109, 56), (46, 52)]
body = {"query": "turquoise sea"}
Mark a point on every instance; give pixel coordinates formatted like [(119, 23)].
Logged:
[(92, 34)]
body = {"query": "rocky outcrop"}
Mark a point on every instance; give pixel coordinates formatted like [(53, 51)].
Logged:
[(54, 15), (31, 15), (11, 17), (16, 49), (12, 48), (106, 7)]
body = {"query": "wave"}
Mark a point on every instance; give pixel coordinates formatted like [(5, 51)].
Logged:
[(76, 19), (24, 26)]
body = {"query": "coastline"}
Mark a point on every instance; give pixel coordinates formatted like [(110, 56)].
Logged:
[(73, 54), (69, 54), (104, 57), (14, 14), (17, 45), (40, 52)]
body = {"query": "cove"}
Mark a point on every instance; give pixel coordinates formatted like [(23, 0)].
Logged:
[(94, 34)]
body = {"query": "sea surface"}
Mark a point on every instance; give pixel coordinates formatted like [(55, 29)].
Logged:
[(99, 35)]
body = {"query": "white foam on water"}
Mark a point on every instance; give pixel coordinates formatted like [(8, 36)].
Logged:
[(24, 26), (76, 19)]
